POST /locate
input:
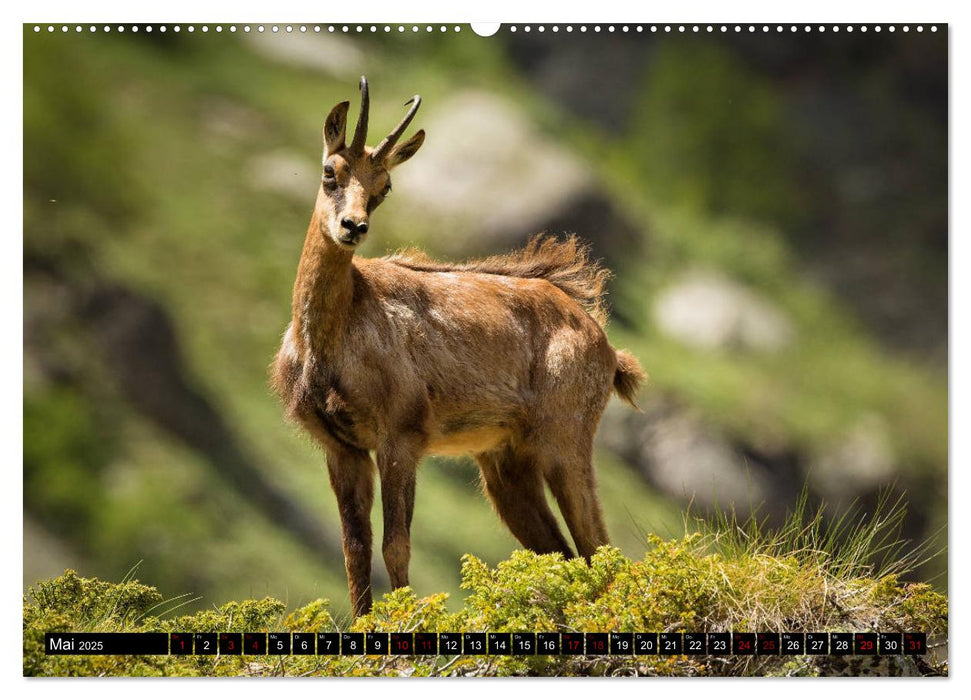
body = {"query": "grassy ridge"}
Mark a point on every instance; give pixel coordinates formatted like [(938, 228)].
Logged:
[(680, 585)]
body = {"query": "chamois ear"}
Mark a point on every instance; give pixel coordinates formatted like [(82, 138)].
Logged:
[(334, 128), (406, 150)]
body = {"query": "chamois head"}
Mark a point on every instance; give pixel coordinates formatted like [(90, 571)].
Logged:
[(355, 178)]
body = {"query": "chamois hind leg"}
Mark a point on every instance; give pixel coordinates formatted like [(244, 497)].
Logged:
[(515, 486), (352, 478), (571, 478)]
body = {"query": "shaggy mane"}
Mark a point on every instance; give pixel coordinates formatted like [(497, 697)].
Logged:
[(564, 263)]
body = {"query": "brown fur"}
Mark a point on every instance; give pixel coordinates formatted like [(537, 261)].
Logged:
[(504, 359), (564, 263)]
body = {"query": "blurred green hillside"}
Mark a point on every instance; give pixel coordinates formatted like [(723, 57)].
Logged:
[(793, 195)]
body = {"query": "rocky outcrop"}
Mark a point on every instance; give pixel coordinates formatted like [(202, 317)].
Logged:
[(708, 310)]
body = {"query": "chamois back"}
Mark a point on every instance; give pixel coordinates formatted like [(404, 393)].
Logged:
[(564, 263)]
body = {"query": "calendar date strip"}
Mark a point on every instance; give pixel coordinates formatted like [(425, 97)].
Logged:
[(487, 643)]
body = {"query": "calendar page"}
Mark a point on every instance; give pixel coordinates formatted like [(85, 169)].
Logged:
[(525, 349)]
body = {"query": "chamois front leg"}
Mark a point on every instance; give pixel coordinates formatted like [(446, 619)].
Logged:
[(352, 478), (398, 465)]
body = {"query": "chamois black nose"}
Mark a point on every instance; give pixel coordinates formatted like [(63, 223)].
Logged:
[(352, 226)]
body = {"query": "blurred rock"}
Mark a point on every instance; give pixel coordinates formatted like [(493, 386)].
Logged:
[(333, 54), (485, 167), (862, 461), (683, 456), (708, 310), (583, 74), (284, 172)]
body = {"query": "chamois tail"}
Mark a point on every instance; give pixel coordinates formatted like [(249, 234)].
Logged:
[(628, 377)]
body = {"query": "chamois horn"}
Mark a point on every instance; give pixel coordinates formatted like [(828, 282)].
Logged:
[(360, 133), (391, 139)]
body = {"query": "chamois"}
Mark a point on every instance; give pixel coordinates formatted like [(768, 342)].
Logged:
[(504, 359)]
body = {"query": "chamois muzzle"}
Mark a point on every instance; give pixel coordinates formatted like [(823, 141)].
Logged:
[(352, 231)]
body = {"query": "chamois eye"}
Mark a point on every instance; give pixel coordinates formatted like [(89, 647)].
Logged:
[(329, 171), (386, 191)]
